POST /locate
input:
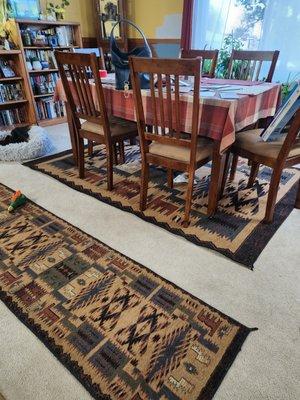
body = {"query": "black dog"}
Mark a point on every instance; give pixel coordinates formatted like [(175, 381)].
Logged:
[(17, 135)]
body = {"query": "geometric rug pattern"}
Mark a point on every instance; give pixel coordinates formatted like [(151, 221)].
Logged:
[(122, 330), (236, 230)]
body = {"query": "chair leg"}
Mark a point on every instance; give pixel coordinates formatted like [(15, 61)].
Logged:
[(110, 166), (170, 178), (234, 164), (225, 174), (271, 202), (122, 152), (81, 158), (144, 186), (90, 148), (218, 164), (253, 174), (189, 197), (297, 203)]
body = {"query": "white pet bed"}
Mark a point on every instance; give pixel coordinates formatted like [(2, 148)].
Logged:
[(38, 145)]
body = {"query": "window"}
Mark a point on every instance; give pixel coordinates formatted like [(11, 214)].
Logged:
[(251, 25)]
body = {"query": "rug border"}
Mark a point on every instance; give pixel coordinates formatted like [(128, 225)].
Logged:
[(215, 379), (262, 229)]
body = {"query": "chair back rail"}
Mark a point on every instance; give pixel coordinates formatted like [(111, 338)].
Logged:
[(75, 70), (247, 64), (164, 100), (206, 55)]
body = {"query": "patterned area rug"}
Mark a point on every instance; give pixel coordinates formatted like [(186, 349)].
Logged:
[(122, 330), (236, 230)]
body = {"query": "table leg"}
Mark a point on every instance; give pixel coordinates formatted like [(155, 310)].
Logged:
[(217, 173), (72, 130)]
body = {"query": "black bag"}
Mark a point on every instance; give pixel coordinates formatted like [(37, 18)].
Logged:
[(120, 59)]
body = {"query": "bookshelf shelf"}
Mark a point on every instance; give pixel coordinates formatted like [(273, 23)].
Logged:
[(37, 96), (54, 121), (43, 71), (13, 103), (46, 111), (9, 52), (49, 48), (11, 79)]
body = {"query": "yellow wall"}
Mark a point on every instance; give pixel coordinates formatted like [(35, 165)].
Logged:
[(151, 14), (79, 11), (155, 17)]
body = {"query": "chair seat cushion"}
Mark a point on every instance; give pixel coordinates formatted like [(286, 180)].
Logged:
[(118, 127), (252, 142), (179, 153)]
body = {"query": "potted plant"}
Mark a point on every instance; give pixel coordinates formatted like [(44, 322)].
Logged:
[(58, 9)]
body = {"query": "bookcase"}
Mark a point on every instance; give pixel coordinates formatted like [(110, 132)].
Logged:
[(41, 81), (16, 101)]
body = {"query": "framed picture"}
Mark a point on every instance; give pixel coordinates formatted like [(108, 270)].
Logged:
[(26, 9), (109, 15)]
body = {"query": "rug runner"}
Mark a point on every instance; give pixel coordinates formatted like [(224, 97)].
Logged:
[(236, 230), (122, 330)]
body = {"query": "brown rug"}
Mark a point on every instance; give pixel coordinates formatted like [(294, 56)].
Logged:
[(122, 330), (236, 230)]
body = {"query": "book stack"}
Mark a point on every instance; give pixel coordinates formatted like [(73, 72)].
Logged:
[(12, 117), (11, 92), (43, 56), (49, 109), (44, 84)]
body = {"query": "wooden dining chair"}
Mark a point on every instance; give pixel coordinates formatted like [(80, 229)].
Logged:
[(166, 145), (279, 154), (209, 60), (90, 106), (247, 64)]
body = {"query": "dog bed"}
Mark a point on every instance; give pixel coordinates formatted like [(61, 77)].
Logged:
[(37, 145)]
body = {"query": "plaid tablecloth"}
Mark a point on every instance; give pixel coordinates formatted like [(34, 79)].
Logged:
[(220, 119)]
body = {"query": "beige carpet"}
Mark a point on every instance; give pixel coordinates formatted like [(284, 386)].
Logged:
[(267, 368)]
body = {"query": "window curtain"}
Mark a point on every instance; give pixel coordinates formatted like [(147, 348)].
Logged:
[(209, 23), (186, 30), (281, 31)]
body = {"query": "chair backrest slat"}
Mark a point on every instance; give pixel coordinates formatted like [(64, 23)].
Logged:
[(238, 57), (206, 55), (165, 94), (153, 98), (78, 73), (161, 103), (177, 107)]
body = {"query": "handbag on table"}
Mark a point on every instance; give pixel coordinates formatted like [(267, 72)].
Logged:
[(120, 59)]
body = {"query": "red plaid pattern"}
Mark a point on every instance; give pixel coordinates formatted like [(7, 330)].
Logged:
[(219, 119)]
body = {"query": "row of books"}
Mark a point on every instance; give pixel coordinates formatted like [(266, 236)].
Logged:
[(42, 56), (11, 92), (44, 84), (49, 109), (12, 117)]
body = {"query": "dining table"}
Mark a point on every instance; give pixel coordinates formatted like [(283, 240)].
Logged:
[(226, 107)]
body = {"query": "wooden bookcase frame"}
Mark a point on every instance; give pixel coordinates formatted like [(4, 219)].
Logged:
[(21, 76), (20, 24)]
